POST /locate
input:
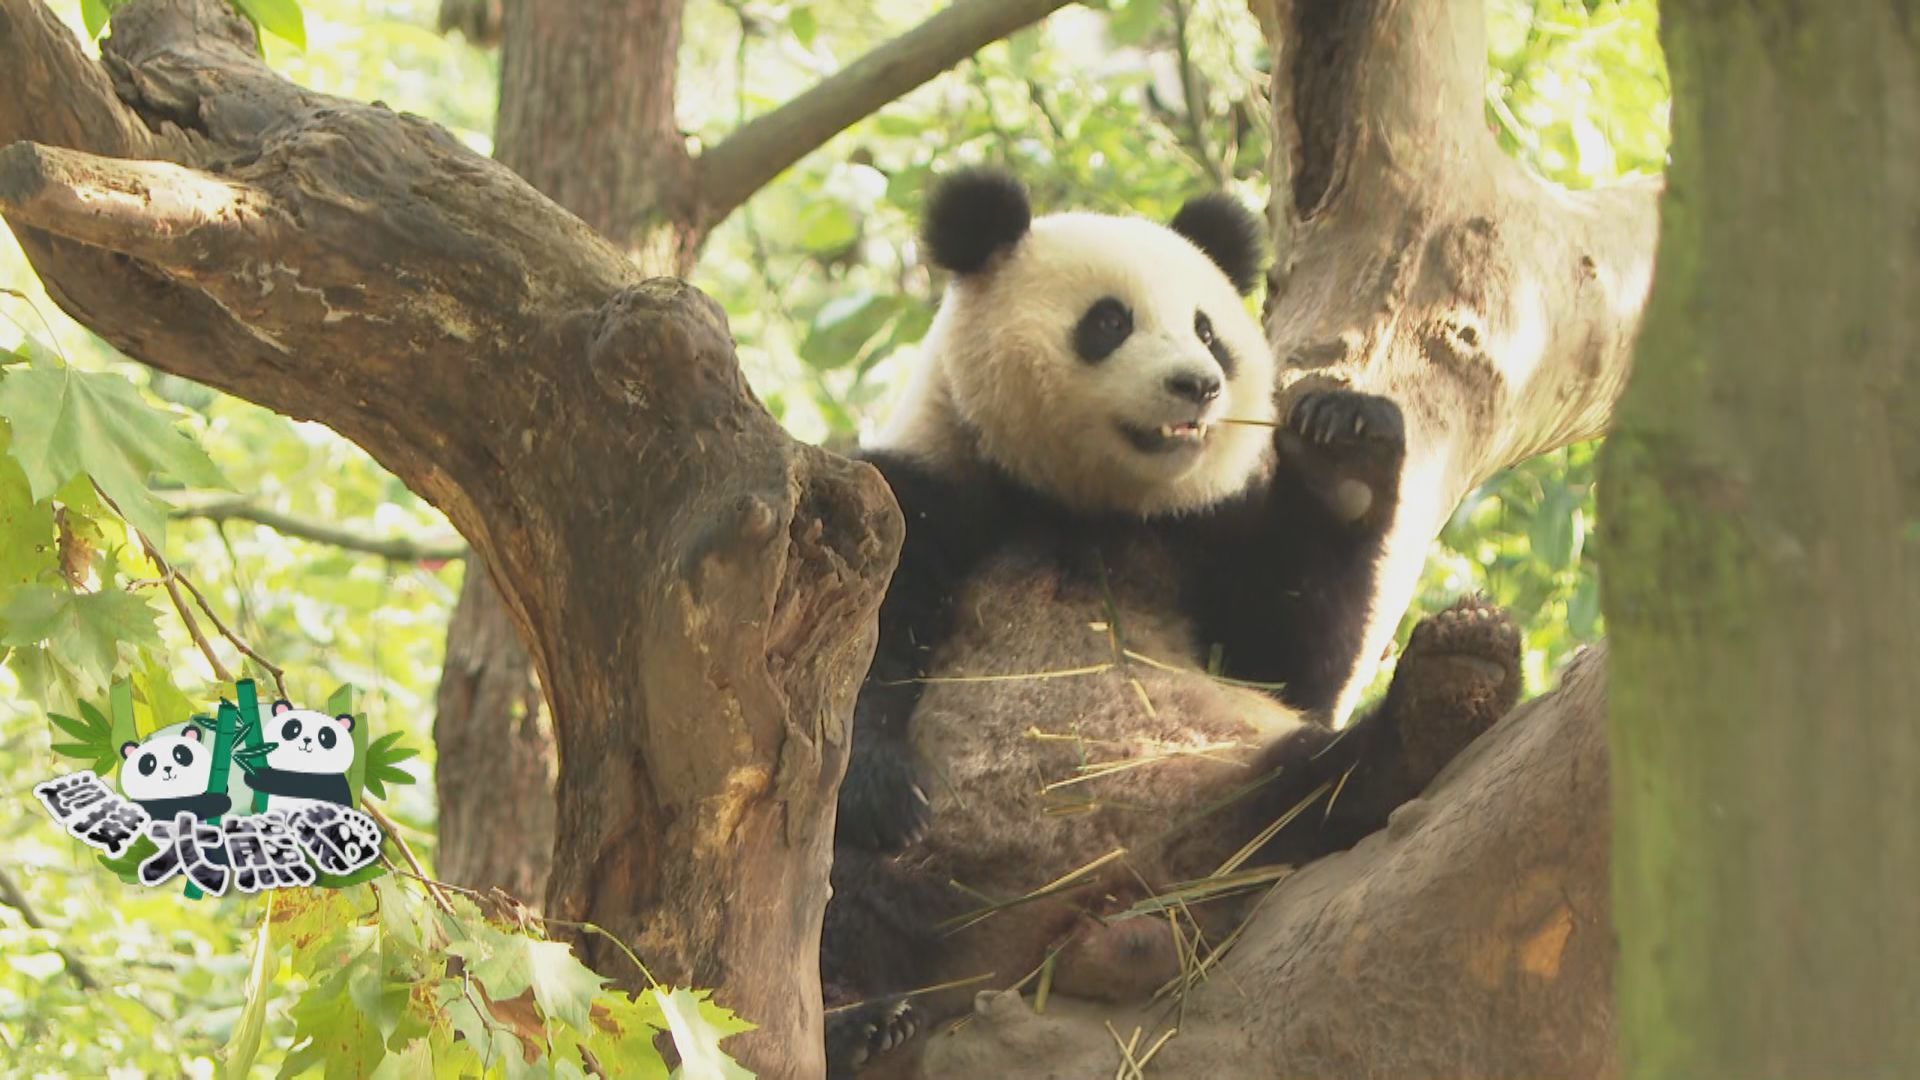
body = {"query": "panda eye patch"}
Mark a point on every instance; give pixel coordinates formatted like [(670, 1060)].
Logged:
[(182, 755), (148, 763), (328, 738), (1102, 329), (290, 730), (1203, 329)]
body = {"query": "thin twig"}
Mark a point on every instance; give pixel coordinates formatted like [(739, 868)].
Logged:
[(13, 897), (171, 580), (397, 549), (406, 852), (273, 669)]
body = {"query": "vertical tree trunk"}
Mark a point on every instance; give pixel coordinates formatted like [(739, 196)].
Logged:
[(494, 745), (1761, 490), (586, 116)]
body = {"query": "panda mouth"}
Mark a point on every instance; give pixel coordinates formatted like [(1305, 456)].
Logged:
[(1167, 438)]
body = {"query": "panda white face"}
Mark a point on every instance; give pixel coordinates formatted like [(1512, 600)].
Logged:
[(306, 741), (1093, 358), (166, 766)]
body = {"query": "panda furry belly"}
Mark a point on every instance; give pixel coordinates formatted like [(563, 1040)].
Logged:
[(1002, 736), (1032, 775)]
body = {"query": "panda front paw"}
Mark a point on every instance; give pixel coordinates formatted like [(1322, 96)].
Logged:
[(882, 805), (1334, 418), (1347, 448), (863, 1032)]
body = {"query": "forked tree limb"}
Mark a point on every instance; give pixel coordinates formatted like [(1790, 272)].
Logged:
[(1418, 260), (699, 590)]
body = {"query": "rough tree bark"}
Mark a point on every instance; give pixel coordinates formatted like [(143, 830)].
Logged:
[(698, 590), (1763, 575), (587, 116)]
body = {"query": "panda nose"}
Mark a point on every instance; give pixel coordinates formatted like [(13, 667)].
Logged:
[(1195, 386)]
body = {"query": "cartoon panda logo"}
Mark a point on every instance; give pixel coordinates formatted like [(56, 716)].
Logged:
[(170, 772), (307, 759)]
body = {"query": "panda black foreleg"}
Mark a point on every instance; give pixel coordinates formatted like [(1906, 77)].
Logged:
[(879, 942), (950, 528), (882, 806)]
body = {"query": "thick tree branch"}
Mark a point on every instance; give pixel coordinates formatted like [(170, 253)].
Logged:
[(55, 94), (398, 549), (697, 589), (766, 146)]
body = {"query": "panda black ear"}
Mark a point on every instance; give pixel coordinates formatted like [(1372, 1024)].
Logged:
[(1229, 233), (127, 749), (973, 214), (346, 720), (281, 706)]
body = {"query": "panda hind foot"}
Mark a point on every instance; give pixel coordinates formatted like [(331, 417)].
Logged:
[(865, 1031), (1459, 674)]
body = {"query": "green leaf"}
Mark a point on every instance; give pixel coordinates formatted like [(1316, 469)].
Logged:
[(83, 630), (381, 764), (621, 1038), (244, 1046), (281, 18), (562, 985), (803, 25), (28, 548), (89, 733), (698, 1026), (330, 1030), (1553, 535), (93, 14), (68, 422), (827, 227), (844, 327)]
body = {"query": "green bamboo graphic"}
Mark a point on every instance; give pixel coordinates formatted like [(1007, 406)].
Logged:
[(225, 730), (254, 737)]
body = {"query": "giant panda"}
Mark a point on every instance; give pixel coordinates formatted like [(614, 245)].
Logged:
[(1130, 595)]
